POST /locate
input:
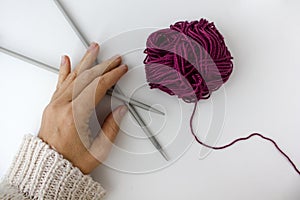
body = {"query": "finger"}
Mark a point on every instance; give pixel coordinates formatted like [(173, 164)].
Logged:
[(92, 94), (58, 95), (86, 62), (88, 59), (65, 78), (88, 76), (110, 128), (107, 65), (64, 70)]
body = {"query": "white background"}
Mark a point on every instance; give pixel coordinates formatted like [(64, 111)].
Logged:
[(262, 94)]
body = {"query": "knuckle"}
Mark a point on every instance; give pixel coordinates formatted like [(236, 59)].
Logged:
[(112, 130), (103, 81), (51, 108), (86, 76), (55, 94), (63, 70)]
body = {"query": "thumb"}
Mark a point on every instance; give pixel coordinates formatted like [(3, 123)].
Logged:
[(110, 128)]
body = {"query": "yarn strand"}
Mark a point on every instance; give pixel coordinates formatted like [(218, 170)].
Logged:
[(238, 140)]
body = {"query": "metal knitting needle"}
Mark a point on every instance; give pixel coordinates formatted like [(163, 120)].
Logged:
[(143, 125), (146, 130), (133, 101), (55, 70), (85, 42), (29, 60), (131, 109)]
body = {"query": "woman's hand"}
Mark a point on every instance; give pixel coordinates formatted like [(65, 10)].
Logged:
[(65, 123)]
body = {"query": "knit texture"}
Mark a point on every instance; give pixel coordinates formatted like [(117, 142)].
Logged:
[(39, 172), (10, 192)]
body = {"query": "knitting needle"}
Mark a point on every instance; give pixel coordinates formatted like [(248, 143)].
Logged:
[(55, 70), (86, 44), (133, 101), (131, 109), (29, 60), (146, 130), (143, 125)]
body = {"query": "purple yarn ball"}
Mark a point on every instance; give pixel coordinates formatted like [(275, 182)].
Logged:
[(189, 59)]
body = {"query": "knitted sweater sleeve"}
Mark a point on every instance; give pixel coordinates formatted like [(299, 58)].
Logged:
[(39, 172)]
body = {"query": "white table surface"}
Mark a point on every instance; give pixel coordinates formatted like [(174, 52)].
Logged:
[(261, 96)]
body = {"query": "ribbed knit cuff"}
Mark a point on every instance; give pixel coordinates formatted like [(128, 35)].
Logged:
[(39, 172)]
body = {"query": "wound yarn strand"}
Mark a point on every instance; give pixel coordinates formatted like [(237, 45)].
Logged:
[(191, 60)]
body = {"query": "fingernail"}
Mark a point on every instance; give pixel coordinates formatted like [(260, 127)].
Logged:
[(123, 110), (125, 67), (116, 57), (63, 60), (92, 46)]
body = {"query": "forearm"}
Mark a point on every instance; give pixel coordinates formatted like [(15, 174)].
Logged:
[(40, 172)]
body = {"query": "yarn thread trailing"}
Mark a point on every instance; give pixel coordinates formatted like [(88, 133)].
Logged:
[(191, 60)]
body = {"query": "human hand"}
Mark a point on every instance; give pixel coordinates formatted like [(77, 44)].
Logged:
[(65, 123)]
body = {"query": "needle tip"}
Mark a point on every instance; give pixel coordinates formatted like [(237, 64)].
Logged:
[(157, 111), (164, 154)]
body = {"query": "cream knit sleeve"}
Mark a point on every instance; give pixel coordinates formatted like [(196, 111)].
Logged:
[(39, 172)]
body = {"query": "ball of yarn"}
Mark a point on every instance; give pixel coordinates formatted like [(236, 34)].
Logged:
[(189, 59)]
